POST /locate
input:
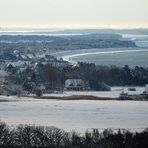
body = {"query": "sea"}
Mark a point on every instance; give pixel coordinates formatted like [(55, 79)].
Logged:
[(118, 57)]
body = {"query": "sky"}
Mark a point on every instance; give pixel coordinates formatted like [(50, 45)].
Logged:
[(74, 13)]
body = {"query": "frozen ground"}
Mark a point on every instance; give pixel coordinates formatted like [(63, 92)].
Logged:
[(14, 99), (79, 115)]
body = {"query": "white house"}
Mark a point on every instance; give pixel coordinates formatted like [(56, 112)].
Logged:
[(74, 84)]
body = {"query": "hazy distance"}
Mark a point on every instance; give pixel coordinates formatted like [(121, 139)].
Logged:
[(74, 13)]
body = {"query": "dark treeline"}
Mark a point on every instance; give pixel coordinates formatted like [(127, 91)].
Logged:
[(123, 76), (53, 76), (26, 136), (111, 75)]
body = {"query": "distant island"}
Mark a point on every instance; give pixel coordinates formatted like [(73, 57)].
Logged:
[(50, 43)]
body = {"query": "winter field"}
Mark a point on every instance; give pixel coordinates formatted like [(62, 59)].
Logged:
[(78, 115)]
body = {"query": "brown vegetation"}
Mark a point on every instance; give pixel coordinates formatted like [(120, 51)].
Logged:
[(74, 97)]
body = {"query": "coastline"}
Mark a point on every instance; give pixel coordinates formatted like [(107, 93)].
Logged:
[(68, 55)]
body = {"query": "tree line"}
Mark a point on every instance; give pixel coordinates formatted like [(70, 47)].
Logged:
[(27, 136), (54, 77)]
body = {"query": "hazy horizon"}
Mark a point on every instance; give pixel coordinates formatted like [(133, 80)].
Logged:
[(74, 14), (70, 28)]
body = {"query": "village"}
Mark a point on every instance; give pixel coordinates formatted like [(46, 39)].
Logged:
[(29, 67), (13, 63), (17, 67)]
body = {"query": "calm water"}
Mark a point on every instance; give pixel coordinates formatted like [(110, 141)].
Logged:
[(41, 32), (78, 115), (142, 43), (120, 59)]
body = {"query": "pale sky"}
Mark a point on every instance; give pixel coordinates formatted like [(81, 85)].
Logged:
[(74, 13)]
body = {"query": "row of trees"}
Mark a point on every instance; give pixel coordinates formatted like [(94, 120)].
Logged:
[(25, 136), (54, 76), (111, 75)]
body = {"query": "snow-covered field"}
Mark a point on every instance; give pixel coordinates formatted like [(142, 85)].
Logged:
[(14, 99), (79, 115)]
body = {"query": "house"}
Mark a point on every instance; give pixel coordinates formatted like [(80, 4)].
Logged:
[(74, 85), (9, 68)]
